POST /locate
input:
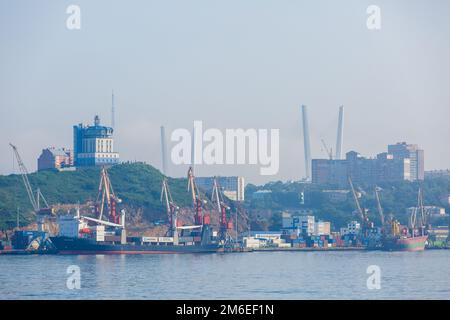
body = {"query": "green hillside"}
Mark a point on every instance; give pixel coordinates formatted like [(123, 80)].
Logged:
[(137, 184), (395, 198)]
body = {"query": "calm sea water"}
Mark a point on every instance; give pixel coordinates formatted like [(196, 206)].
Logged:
[(256, 275)]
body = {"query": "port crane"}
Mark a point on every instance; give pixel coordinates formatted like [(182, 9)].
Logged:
[(363, 214), (197, 202), (390, 227), (35, 198), (171, 208), (107, 200), (243, 215), (218, 198), (380, 209)]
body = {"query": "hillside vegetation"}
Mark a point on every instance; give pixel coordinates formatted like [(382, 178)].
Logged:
[(395, 198), (137, 184)]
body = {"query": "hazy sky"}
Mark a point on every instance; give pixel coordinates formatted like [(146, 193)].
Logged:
[(231, 64)]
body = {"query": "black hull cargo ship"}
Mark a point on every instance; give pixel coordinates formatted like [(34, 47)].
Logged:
[(88, 235), (66, 245), (78, 237)]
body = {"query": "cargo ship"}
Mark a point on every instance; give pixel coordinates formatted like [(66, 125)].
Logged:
[(133, 245), (106, 233), (407, 238), (402, 238), (405, 243), (81, 247), (392, 236), (86, 235)]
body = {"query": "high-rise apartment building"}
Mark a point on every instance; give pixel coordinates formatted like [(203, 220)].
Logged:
[(402, 150), (386, 167)]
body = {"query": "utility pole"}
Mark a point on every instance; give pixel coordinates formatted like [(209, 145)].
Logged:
[(237, 237)]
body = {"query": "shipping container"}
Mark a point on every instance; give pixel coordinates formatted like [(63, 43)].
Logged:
[(165, 239), (186, 239), (108, 238), (149, 239)]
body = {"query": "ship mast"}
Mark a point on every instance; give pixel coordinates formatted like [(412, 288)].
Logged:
[(423, 214)]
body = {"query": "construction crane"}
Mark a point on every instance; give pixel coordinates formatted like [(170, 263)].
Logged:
[(35, 199), (362, 213), (380, 209), (328, 151), (107, 199), (222, 208), (171, 208)]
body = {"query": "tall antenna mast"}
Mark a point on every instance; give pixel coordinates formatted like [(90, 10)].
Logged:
[(113, 120)]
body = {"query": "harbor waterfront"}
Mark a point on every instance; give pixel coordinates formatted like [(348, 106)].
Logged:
[(255, 275)]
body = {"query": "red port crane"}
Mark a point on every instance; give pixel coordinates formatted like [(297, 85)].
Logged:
[(171, 208), (222, 208), (197, 202), (106, 198)]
